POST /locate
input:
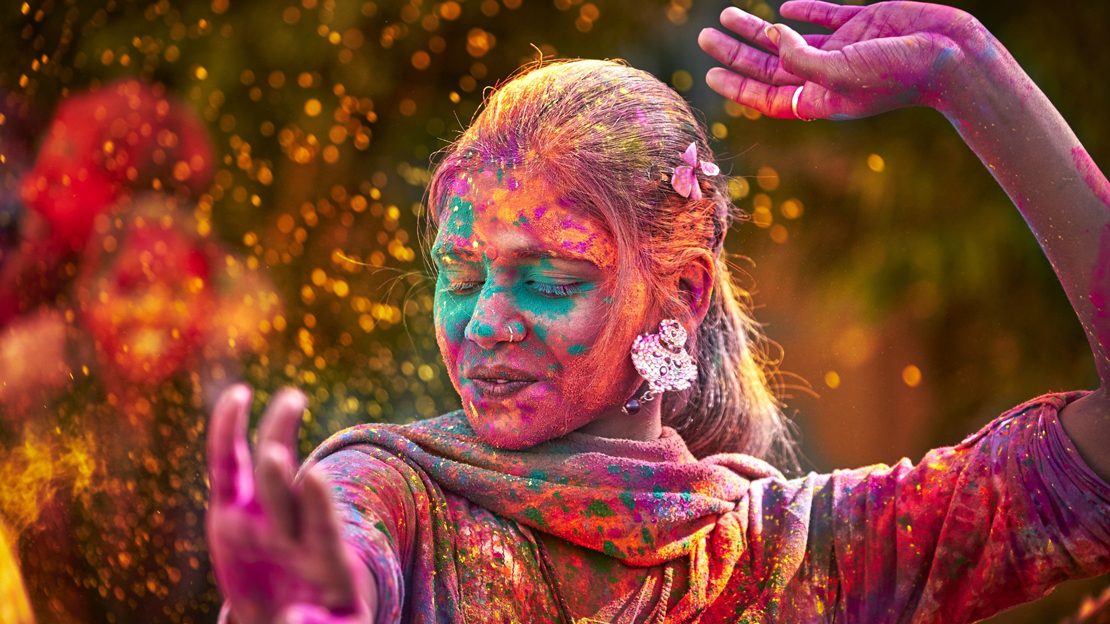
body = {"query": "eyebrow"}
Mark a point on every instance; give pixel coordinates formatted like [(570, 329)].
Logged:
[(528, 253)]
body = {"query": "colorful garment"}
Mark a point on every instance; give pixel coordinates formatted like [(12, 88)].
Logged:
[(590, 529)]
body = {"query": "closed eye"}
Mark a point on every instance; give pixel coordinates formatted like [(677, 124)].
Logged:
[(557, 290), (464, 287)]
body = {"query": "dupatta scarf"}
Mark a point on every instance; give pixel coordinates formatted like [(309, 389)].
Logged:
[(643, 503)]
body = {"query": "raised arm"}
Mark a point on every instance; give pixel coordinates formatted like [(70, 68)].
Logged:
[(895, 54)]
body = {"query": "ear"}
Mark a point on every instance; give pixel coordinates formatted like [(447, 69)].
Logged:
[(695, 286)]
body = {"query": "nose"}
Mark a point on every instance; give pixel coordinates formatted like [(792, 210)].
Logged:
[(496, 318)]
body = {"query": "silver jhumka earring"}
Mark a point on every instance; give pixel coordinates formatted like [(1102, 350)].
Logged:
[(663, 362)]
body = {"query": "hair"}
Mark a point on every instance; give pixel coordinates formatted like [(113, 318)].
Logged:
[(607, 137)]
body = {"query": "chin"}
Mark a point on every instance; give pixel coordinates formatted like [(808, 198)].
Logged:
[(512, 432)]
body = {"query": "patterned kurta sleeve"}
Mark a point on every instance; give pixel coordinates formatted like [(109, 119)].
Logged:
[(374, 503), (969, 531)]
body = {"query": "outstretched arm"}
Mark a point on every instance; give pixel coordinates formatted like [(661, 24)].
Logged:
[(971, 530), (895, 54), (276, 546)]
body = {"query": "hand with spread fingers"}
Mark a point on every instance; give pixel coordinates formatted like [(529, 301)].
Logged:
[(275, 542), (894, 54), (879, 57)]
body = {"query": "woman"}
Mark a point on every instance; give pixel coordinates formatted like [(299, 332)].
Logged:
[(581, 210)]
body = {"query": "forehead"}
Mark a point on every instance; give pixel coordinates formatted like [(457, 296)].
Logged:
[(495, 212)]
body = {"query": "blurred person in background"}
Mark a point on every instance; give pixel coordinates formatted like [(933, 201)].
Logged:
[(110, 297), (100, 147)]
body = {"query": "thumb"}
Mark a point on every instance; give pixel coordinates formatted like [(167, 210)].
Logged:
[(797, 56), (302, 613), (305, 614)]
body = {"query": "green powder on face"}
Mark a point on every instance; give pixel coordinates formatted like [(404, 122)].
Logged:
[(460, 217), (540, 331), (546, 307), (577, 349)]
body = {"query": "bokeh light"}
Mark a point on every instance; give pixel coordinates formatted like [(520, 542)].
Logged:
[(911, 375)]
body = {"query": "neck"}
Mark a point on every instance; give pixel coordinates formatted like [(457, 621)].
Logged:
[(644, 426)]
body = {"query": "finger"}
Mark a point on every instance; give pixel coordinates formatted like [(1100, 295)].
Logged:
[(824, 14), (322, 534), (282, 420), (314, 614), (320, 529), (304, 614), (745, 59), (767, 99), (274, 478), (817, 102), (747, 26), (229, 459), (752, 28), (817, 41), (805, 61), (320, 526)]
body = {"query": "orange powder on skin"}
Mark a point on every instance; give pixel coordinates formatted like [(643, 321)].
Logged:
[(572, 231), (499, 221)]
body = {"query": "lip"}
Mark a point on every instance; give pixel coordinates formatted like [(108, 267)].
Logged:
[(499, 381)]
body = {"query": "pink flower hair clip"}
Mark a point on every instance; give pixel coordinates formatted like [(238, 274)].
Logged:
[(685, 180)]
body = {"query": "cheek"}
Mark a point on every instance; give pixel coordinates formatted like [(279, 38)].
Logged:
[(451, 319), (571, 327), (571, 337), (596, 379), (562, 343)]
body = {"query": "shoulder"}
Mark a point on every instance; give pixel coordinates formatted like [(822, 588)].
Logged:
[(452, 422), (1051, 405), (395, 436), (1086, 423)]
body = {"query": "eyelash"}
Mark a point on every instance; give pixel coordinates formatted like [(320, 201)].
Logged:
[(547, 290), (558, 290), (462, 288)]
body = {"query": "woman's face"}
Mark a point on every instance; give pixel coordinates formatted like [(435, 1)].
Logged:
[(523, 291)]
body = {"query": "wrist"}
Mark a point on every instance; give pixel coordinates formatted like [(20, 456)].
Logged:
[(969, 68)]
